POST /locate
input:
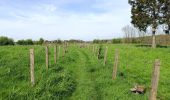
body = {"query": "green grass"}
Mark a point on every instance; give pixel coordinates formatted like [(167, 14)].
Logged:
[(80, 76)]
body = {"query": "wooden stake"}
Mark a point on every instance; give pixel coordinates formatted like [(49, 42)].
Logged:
[(115, 63), (63, 50), (47, 57), (98, 53), (66, 47), (58, 52), (93, 49), (32, 67), (55, 54), (105, 55), (155, 80)]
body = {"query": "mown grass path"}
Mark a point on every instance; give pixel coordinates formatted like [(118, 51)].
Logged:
[(94, 81), (86, 89)]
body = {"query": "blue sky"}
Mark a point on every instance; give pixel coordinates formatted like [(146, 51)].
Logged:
[(63, 19)]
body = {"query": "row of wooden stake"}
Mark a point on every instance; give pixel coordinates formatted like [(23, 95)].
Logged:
[(155, 73), (95, 50), (56, 56)]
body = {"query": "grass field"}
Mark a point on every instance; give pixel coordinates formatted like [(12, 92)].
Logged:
[(80, 76)]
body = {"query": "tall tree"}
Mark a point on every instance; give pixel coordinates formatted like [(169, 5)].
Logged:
[(130, 33), (145, 13), (165, 14)]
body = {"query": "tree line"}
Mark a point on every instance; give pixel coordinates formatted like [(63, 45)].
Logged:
[(9, 41), (142, 39)]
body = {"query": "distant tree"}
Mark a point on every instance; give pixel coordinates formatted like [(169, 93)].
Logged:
[(145, 13), (29, 42), (96, 41), (141, 35), (116, 41), (25, 42), (41, 41), (59, 41), (130, 33), (21, 42), (6, 41), (75, 41)]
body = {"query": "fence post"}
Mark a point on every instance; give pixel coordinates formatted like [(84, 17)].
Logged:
[(67, 45), (115, 63), (47, 57), (55, 54), (95, 52), (32, 67), (105, 55), (63, 50), (98, 52), (155, 80), (58, 52), (93, 48)]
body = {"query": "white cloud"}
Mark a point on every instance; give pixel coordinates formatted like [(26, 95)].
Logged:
[(49, 22), (47, 7)]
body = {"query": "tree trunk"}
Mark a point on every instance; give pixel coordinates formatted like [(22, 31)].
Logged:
[(168, 29), (153, 38)]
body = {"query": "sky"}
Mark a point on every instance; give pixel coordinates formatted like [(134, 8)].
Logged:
[(63, 19)]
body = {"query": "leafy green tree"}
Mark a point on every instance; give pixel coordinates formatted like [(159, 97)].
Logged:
[(145, 13), (165, 14), (25, 42), (29, 42), (96, 41), (116, 41), (41, 41), (20, 42), (6, 41)]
